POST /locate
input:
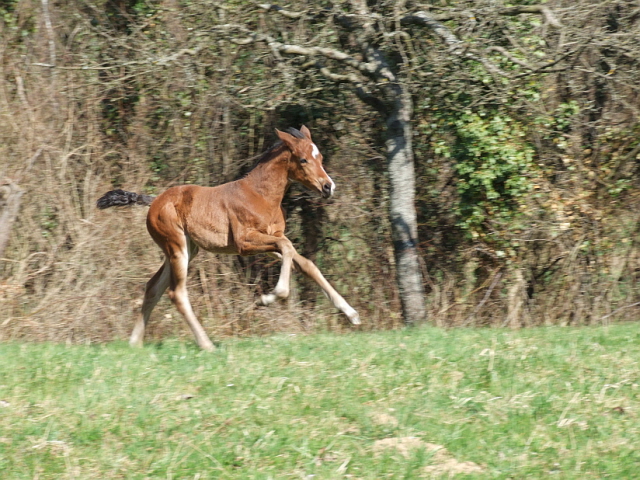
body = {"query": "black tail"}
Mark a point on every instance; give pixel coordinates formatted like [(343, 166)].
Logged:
[(120, 198)]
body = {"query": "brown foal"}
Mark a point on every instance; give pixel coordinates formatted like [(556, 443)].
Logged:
[(243, 217)]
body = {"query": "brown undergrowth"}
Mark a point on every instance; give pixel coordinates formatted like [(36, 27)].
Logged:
[(72, 273)]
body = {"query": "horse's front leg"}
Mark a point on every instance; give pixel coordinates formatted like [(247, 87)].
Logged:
[(278, 246), (281, 291), (309, 268)]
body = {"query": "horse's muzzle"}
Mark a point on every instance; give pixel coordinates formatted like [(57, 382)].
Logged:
[(327, 190)]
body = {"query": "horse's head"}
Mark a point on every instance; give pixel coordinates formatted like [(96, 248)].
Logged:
[(305, 166)]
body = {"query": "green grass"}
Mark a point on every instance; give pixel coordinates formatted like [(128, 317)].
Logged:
[(540, 403)]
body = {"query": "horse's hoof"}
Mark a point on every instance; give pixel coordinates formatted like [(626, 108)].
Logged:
[(265, 300), (354, 318)]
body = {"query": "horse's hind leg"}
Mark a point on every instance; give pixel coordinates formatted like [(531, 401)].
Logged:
[(153, 291), (179, 261)]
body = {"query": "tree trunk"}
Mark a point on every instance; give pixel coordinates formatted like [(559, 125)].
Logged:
[(10, 195), (312, 217), (402, 209)]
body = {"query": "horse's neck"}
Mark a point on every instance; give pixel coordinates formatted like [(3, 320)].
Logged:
[(270, 178)]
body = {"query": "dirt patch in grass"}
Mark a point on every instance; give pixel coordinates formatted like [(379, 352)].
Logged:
[(384, 419), (404, 445), (442, 461), (452, 466)]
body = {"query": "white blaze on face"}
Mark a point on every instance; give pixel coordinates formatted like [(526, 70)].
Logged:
[(314, 151), (316, 154), (333, 185)]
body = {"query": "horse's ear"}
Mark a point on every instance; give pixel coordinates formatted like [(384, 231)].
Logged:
[(305, 131), (289, 140)]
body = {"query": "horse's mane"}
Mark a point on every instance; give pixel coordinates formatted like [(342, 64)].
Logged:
[(265, 155)]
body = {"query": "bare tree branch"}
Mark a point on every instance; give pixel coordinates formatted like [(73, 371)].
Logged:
[(280, 10), (539, 9), (337, 77), (475, 311), (151, 61), (47, 22), (422, 18), (375, 68), (369, 69), (547, 68), (506, 53), (456, 46)]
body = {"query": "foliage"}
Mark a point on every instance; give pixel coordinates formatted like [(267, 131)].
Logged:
[(494, 165)]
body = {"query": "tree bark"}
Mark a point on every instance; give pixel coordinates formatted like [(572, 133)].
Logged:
[(402, 211), (10, 195), (398, 110)]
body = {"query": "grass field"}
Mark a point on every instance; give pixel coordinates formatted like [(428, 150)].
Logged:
[(421, 403)]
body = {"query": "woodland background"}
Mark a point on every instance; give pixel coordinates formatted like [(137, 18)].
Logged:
[(525, 142)]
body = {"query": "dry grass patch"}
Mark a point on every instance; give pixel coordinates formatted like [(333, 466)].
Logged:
[(381, 418), (442, 460), (405, 446)]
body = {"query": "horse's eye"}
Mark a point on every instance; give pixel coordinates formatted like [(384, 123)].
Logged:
[(303, 160)]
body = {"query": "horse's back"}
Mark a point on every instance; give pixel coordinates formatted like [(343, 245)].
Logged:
[(199, 213), (212, 217)]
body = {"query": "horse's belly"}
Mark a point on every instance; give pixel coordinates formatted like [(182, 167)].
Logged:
[(215, 242)]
